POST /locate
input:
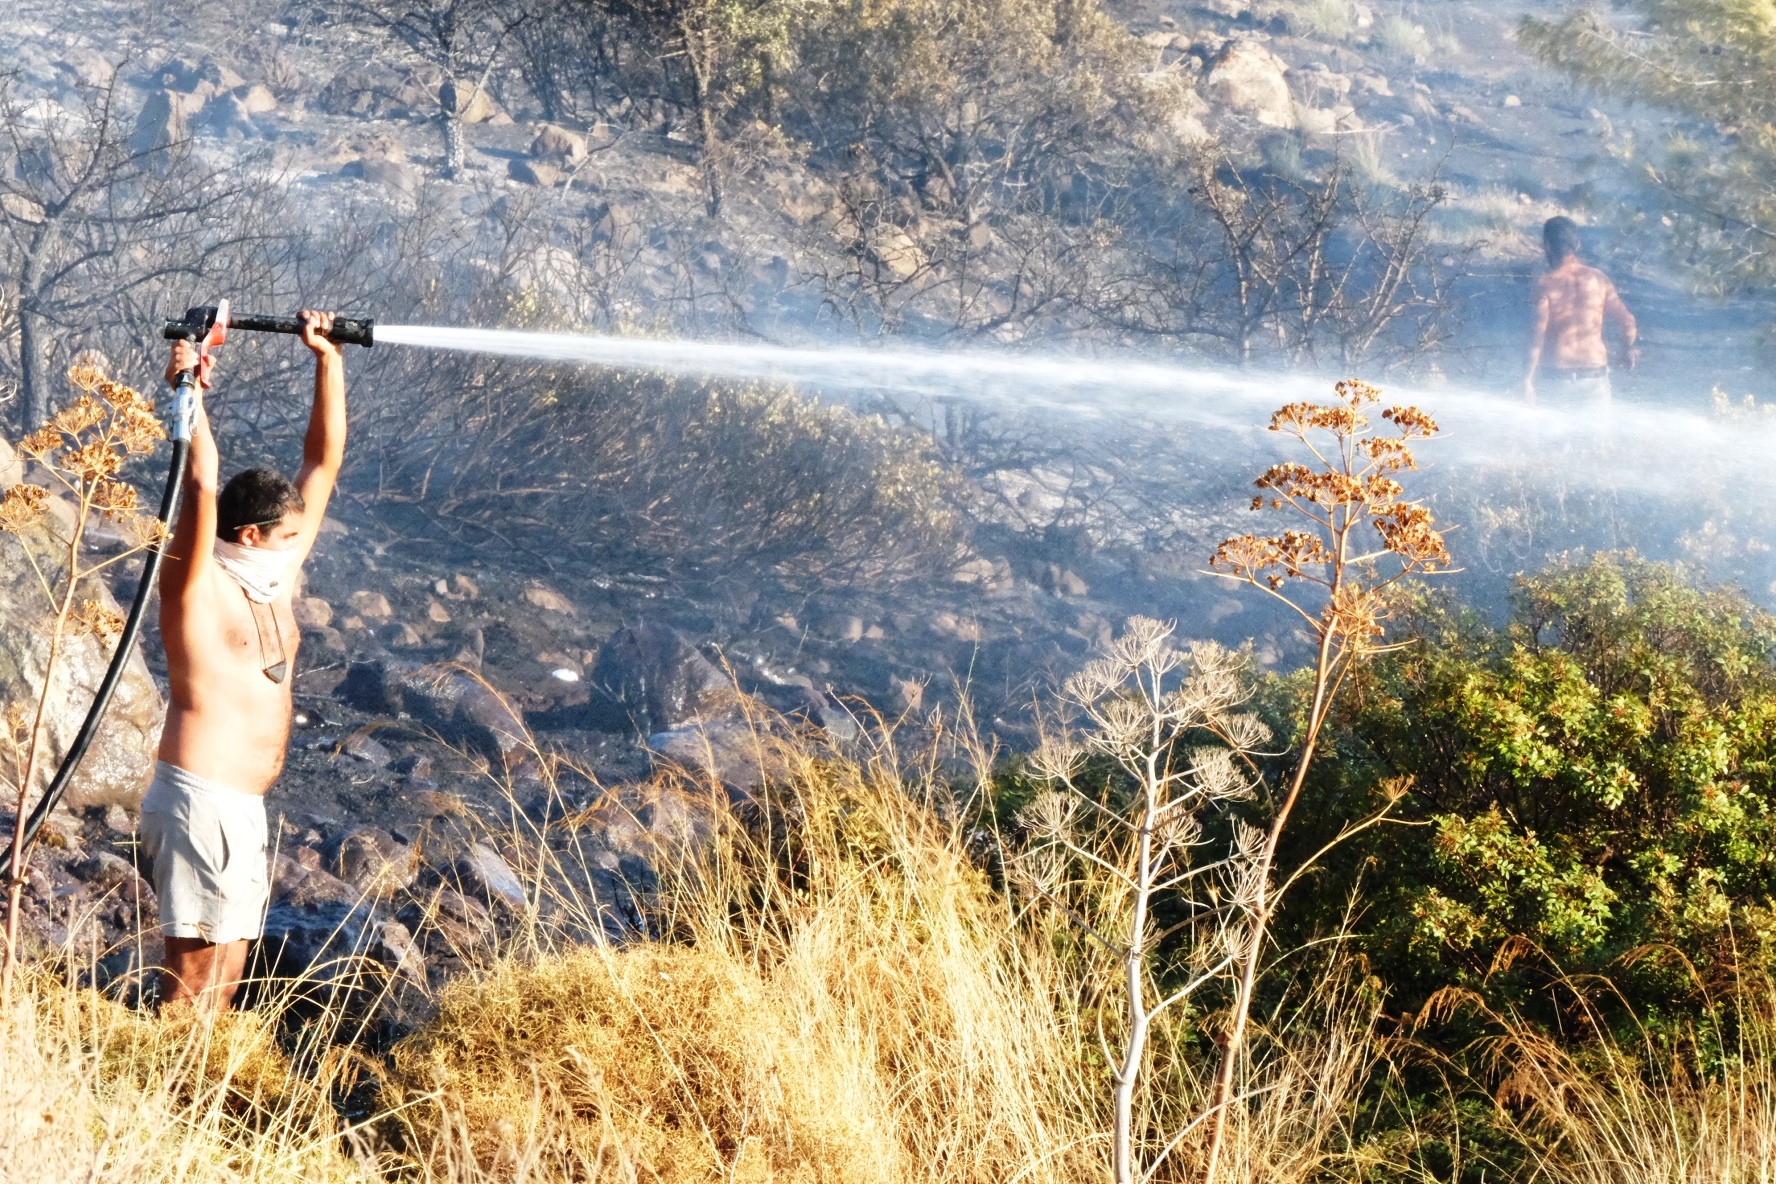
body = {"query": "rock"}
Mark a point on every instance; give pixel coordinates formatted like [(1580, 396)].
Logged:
[(735, 754), (1062, 581), (227, 118), (462, 921), (88, 69), (347, 951), (796, 697), (484, 872), (650, 679), (949, 625), (121, 758), (394, 174), (1513, 101), (910, 692), (362, 746), (312, 612), (107, 873), (322, 639), (1248, 78), (436, 613), (461, 709), (895, 251), (160, 125), (299, 882), (375, 862), (472, 104), (372, 606), (549, 600), (402, 636), (610, 223), (1327, 121), (558, 144), (351, 92), (256, 99), (991, 575), (183, 75), (534, 172)]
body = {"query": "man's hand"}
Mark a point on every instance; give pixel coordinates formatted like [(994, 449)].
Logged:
[(315, 327), (185, 357)]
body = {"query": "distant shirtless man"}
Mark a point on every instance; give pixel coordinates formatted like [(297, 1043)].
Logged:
[(227, 619), (1572, 301)]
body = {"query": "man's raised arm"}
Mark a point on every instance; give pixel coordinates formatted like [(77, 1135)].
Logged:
[(194, 535), (323, 449)]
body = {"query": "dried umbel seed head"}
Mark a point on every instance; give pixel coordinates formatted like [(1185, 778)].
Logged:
[(1352, 481), (22, 507), (100, 620)]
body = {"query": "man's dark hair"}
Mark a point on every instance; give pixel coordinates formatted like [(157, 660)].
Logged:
[(254, 497), (1560, 239)]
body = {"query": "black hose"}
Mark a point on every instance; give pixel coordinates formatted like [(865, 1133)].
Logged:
[(126, 644)]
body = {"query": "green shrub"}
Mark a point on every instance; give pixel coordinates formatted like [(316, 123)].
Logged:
[(1591, 780)]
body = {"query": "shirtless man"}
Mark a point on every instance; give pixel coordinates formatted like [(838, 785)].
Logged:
[(226, 615), (1571, 303)]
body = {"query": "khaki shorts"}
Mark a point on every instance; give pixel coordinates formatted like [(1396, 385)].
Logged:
[(1580, 389), (208, 843)]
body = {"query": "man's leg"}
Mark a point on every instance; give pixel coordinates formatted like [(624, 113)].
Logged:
[(202, 973)]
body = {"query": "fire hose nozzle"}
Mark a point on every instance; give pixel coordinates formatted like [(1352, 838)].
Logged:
[(195, 325)]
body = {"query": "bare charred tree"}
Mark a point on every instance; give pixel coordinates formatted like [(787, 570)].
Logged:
[(1247, 265), (466, 39), (101, 214)]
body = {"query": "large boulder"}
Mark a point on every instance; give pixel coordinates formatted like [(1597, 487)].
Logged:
[(460, 708), (649, 679), (394, 174), (118, 765), (736, 754), (559, 144), (471, 103), (1248, 78), (227, 118)]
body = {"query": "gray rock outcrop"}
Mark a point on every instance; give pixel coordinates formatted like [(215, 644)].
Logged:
[(650, 679), (118, 765), (1248, 78)]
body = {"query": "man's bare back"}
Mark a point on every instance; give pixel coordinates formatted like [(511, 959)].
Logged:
[(1572, 304)]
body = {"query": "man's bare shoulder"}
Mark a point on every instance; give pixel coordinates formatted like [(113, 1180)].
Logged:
[(1594, 278)]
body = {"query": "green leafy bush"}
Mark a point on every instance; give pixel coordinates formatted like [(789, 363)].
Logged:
[(1591, 781)]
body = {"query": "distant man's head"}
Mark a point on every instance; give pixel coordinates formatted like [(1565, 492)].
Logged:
[(259, 508), (1560, 239)]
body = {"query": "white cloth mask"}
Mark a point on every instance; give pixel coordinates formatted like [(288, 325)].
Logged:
[(261, 572)]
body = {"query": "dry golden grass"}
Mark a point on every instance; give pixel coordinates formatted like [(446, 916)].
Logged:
[(846, 998), (94, 1091), (840, 995), (1695, 1106)]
